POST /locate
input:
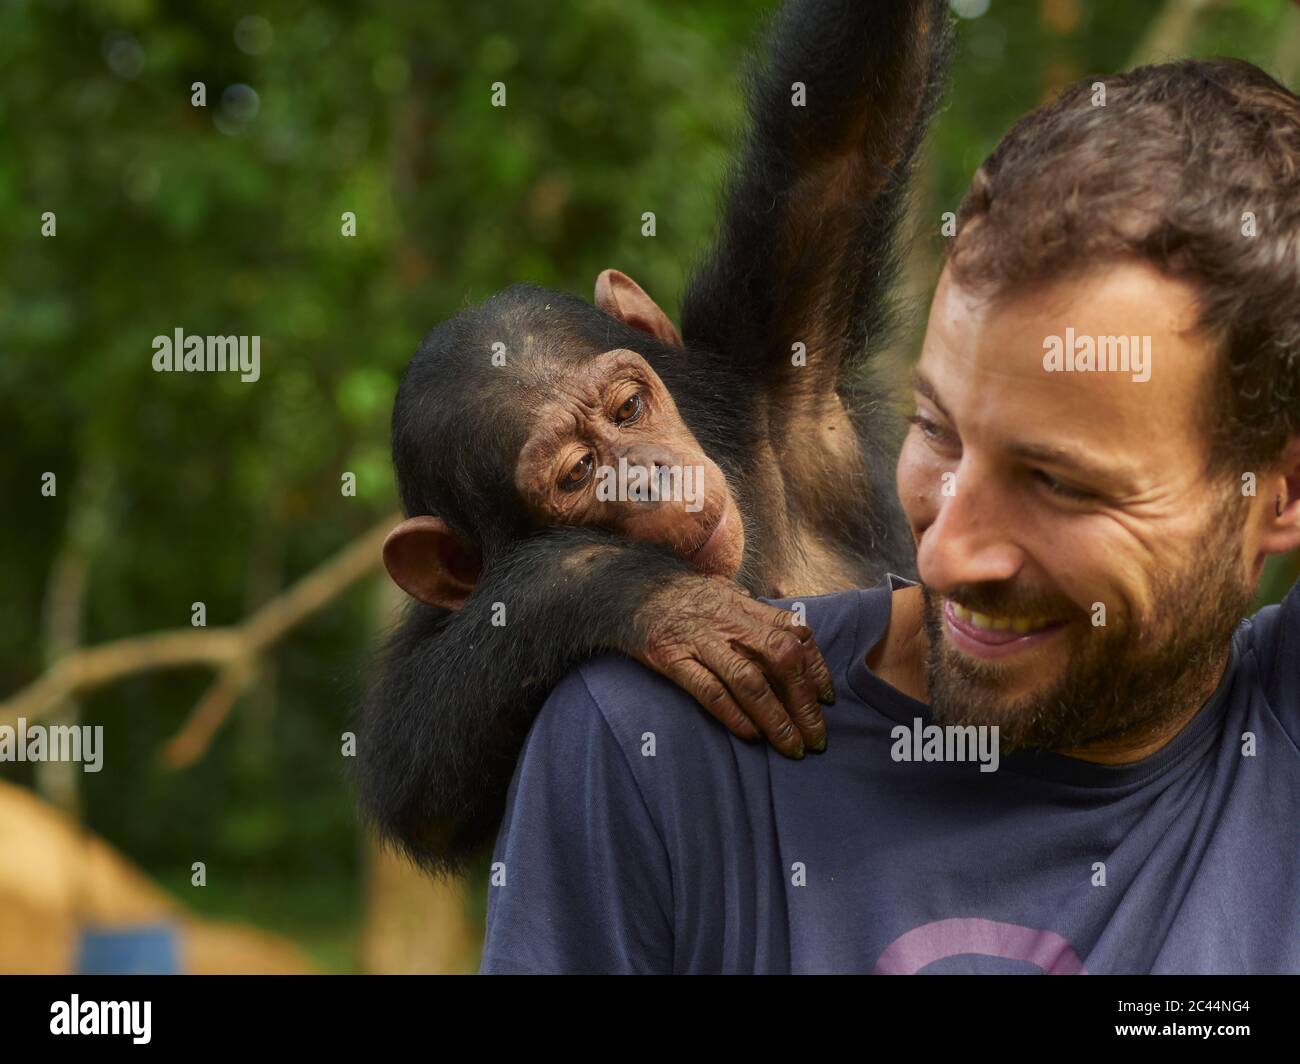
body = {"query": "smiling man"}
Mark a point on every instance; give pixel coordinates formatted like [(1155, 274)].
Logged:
[(1084, 574), (1091, 519)]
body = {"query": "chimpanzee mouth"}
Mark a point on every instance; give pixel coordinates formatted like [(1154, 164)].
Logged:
[(701, 554)]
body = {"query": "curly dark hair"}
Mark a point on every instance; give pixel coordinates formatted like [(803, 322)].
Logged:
[(1192, 166)]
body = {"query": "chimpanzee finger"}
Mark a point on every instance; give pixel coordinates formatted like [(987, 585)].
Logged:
[(709, 692), (819, 672), (786, 664), (749, 687), (788, 656)]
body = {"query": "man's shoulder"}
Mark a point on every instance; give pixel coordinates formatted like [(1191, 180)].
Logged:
[(632, 702), (831, 612), (632, 696), (614, 702), (1273, 637), (846, 623), (1274, 630)]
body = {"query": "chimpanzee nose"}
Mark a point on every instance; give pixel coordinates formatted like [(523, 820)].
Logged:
[(649, 455)]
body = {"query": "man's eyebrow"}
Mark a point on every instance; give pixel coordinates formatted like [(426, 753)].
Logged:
[(1066, 458), (1051, 454), (922, 384)]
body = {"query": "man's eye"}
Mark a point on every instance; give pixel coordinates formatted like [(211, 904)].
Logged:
[(930, 429), (577, 476), (630, 410), (1059, 487)]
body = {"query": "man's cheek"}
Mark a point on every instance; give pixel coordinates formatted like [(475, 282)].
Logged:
[(920, 483)]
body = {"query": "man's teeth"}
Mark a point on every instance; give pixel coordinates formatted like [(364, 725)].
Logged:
[(1020, 624)]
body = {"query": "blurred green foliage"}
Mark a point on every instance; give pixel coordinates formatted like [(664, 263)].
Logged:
[(226, 220)]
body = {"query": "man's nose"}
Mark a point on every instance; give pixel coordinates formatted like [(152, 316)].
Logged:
[(973, 538)]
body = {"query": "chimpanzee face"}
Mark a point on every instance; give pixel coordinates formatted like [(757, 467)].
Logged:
[(608, 449)]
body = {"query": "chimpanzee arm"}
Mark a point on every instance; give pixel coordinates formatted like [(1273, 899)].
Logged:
[(444, 722), (805, 250)]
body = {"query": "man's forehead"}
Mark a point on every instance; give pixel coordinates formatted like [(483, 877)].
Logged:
[(1116, 347)]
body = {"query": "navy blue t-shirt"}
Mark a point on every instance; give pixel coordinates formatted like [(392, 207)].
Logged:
[(641, 836)]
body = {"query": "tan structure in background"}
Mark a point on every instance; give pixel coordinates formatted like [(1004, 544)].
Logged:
[(56, 878), (414, 925)]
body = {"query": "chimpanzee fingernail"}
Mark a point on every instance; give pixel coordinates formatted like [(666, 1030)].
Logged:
[(820, 745)]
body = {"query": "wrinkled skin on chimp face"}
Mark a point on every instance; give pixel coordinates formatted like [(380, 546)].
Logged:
[(609, 449)]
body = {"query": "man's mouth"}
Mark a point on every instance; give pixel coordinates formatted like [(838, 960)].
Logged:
[(990, 635)]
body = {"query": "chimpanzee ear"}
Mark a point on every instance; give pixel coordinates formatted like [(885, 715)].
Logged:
[(621, 297), (430, 562)]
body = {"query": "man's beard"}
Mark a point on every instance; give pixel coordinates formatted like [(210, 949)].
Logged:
[(1121, 682)]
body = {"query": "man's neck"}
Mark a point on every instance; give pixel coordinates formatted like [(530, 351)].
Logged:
[(899, 656)]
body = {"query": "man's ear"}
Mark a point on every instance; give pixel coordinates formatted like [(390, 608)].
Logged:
[(1282, 520), (621, 297), (430, 562)]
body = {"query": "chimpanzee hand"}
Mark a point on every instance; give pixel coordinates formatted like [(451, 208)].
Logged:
[(747, 663)]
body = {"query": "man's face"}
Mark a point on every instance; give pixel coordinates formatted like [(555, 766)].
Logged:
[(1082, 573)]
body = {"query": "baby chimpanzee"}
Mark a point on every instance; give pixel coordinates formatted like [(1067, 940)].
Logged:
[(581, 479)]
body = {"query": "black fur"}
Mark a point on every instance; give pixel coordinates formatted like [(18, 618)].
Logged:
[(805, 252)]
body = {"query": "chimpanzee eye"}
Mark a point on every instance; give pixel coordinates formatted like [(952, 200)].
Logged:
[(630, 410), (577, 476)]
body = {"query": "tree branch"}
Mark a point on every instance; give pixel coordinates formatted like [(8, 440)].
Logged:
[(191, 742), (230, 648)]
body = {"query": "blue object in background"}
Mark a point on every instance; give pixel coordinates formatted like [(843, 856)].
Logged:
[(142, 949)]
